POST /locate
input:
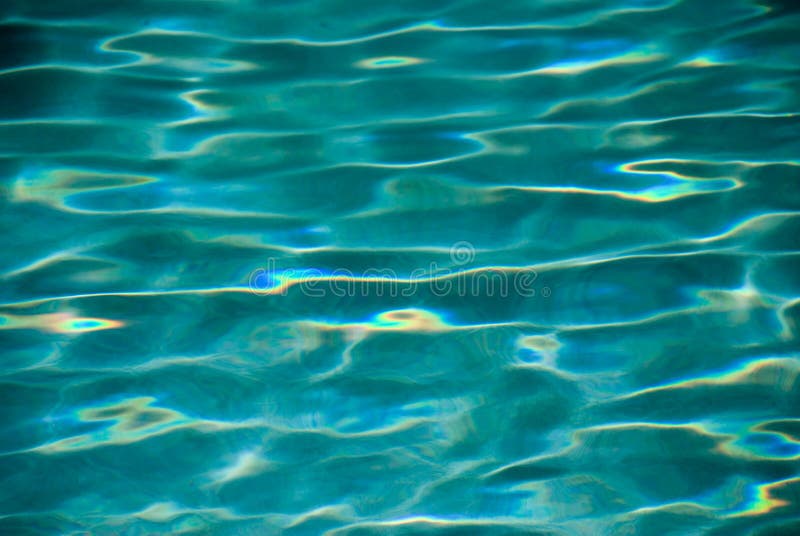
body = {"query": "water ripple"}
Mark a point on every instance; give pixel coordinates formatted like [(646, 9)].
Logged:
[(404, 268)]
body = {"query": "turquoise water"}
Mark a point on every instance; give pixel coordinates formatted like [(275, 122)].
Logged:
[(400, 268)]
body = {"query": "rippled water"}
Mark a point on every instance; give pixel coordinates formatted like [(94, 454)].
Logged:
[(465, 267)]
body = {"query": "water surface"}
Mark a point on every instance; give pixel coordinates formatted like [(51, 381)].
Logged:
[(253, 255)]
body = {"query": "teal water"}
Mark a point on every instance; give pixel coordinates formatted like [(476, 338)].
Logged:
[(400, 268)]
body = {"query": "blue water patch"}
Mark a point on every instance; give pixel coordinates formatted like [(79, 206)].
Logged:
[(396, 268)]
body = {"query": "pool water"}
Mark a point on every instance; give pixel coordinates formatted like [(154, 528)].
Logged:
[(400, 268)]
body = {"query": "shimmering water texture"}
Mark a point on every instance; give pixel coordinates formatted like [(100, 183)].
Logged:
[(186, 182)]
